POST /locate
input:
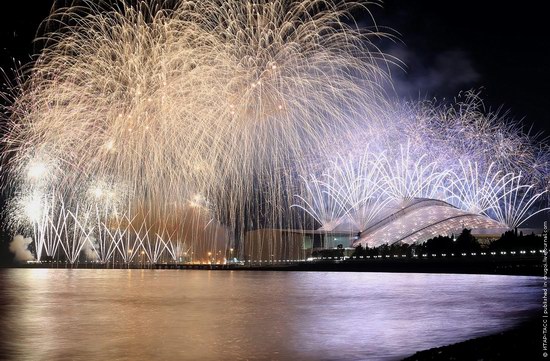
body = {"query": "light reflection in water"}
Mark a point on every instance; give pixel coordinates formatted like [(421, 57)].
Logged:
[(215, 315)]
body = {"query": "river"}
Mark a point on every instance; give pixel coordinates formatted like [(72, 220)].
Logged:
[(85, 314)]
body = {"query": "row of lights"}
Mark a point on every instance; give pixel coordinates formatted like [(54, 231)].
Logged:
[(493, 253), (271, 261), (394, 256)]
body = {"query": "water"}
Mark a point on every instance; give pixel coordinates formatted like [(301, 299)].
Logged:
[(55, 314)]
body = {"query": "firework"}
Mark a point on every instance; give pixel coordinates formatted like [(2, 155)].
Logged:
[(149, 130), (481, 164), (216, 98)]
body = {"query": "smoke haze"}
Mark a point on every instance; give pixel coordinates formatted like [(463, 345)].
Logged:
[(19, 246)]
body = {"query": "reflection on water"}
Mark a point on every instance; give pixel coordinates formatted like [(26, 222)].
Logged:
[(237, 315)]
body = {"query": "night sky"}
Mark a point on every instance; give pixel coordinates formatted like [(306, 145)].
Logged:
[(447, 46), (457, 45)]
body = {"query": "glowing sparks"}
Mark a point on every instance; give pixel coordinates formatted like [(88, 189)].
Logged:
[(156, 131), (36, 170), (442, 152), (33, 208)]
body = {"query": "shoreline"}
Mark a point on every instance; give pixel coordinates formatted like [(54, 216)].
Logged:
[(523, 342), (527, 266), (499, 266)]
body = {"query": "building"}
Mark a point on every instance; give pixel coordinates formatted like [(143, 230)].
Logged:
[(416, 220)]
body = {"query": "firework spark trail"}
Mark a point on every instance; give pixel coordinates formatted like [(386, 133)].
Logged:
[(145, 127), (449, 152), (212, 97), (476, 192), (410, 176), (515, 203), (321, 201), (356, 185)]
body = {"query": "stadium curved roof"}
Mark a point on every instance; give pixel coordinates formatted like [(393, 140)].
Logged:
[(420, 219)]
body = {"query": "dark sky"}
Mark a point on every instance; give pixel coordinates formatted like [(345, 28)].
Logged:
[(456, 45), (447, 46)]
